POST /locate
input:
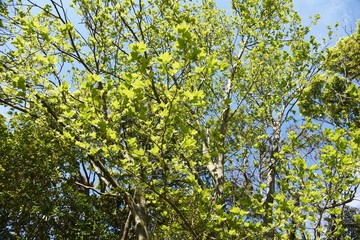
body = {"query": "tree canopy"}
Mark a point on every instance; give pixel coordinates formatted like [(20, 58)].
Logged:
[(168, 119), (334, 94)]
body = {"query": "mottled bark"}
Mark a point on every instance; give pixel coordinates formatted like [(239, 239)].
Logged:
[(137, 205), (271, 178)]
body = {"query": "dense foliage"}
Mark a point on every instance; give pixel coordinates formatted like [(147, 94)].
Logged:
[(167, 119)]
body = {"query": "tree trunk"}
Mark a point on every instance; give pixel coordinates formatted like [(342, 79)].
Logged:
[(271, 179), (138, 211)]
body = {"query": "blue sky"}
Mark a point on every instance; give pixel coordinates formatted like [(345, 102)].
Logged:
[(345, 12)]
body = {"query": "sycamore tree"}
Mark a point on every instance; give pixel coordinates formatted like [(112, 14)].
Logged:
[(333, 97), (39, 195), (351, 220), (186, 118)]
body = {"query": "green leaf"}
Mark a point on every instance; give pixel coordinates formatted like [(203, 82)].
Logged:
[(235, 210), (21, 83), (139, 47), (155, 150), (165, 58), (314, 167), (182, 28), (128, 93)]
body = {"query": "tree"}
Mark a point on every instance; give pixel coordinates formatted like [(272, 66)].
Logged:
[(334, 94), (186, 116), (333, 97), (39, 196), (350, 222)]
